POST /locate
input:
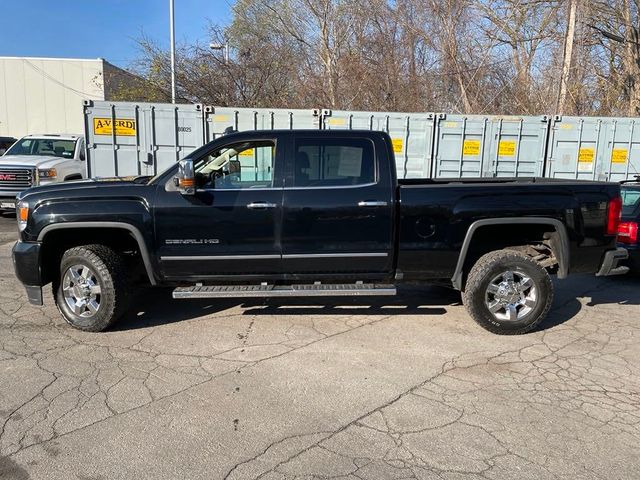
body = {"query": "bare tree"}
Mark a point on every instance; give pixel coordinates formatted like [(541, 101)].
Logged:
[(466, 56)]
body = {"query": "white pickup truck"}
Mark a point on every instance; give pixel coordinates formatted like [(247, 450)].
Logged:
[(39, 160)]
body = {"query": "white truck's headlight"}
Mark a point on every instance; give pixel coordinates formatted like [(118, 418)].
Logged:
[(47, 173), (22, 214)]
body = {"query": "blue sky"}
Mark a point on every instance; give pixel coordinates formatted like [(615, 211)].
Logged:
[(101, 28)]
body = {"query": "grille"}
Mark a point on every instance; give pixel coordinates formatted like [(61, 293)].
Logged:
[(18, 178)]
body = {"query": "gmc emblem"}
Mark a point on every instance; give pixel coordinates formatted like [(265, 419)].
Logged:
[(7, 176)]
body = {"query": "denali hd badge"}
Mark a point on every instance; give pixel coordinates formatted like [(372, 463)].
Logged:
[(192, 241)]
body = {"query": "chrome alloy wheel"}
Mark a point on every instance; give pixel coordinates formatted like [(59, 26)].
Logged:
[(511, 295), (81, 290)]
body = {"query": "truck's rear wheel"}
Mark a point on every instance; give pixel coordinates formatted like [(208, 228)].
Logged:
[(91, 291), (508, 292)]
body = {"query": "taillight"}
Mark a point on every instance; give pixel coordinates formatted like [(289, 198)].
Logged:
[(628, 233), (613, 215)]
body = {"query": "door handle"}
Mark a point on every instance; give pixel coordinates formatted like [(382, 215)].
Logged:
[(261, 205), (372, 203)]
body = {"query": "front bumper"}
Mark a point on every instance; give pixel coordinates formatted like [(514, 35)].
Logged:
[(8, 200), (611, 263), (27, 265)]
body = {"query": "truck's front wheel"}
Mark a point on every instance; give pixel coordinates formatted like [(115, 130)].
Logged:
[(91, 291), (508, 292)]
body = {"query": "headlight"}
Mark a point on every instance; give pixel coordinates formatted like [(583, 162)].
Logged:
[(47, 173), (22, 214)]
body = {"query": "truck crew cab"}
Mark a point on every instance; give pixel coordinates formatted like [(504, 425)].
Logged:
[(311, 213)]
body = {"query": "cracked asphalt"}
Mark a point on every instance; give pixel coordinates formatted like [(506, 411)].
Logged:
[(397, 388)]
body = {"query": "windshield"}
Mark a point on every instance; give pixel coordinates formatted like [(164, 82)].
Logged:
[(43, 146), (630, 200)]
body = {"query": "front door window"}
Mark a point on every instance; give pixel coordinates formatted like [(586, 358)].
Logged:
[(239, 166)]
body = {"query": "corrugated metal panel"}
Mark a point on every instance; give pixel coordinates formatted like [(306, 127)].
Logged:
[(575, 148), (485, 146), (218, 119), (518, 146), (594, 148), (45, 95), (460, 145), (621, 157), (411, 134), (147, 140)]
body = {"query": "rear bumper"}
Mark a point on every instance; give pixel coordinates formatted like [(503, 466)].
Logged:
[(26, 263), (611, 263)]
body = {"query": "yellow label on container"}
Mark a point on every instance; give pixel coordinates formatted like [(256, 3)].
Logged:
[(619, 155), (471, 148), (507, 148), (450, 124), (565, 126), (124, 127), (337, 121), (586, 155), (247, 153), (397, 145), (221, 118)]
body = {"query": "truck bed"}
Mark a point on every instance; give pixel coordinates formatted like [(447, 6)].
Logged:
[(436, 215), (492, 180)]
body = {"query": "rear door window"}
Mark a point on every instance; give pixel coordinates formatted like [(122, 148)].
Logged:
[(333, 162)]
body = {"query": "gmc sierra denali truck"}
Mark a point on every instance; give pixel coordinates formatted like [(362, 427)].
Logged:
[(39, 160), (312, 213)]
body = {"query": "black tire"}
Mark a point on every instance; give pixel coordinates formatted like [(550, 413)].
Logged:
[(107, 272), (487, 288)]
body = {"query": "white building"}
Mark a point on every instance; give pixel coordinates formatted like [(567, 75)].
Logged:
[(45, 95)]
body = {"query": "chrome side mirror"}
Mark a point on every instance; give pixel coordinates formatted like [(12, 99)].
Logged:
[(186, 179)]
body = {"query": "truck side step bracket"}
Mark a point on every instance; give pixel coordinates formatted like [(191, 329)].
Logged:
[(306, 290)]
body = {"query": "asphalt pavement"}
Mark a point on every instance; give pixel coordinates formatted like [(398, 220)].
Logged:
[(392, 388), (8, 227)]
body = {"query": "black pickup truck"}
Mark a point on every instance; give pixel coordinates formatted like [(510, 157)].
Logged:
[(312, 213)]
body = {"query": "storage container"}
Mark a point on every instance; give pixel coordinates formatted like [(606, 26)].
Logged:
[(147, 137)]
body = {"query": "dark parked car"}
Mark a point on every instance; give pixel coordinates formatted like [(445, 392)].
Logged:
[(313, 213), (628, 230)]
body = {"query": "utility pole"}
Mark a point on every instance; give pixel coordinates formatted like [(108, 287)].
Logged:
[(172, 40), (568, 53)]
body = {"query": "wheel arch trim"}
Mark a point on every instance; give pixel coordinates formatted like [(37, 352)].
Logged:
[(562, 253), (137, 235)]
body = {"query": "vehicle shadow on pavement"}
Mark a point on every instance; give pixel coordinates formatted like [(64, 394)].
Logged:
[(154, 307), (616, 290), (409, 301), (620, 290)]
